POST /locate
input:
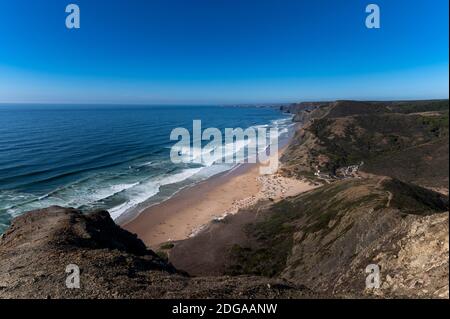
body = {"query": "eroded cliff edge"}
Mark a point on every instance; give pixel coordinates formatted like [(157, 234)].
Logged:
[(114, 263)]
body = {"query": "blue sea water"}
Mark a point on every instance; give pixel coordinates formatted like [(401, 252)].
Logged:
[(109, 157)]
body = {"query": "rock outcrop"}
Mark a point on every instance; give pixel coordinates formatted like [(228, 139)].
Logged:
[(113, 263), (398, 227)]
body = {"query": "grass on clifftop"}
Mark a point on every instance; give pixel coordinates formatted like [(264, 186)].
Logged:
[(412, 199)]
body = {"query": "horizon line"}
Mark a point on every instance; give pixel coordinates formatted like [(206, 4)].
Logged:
[(219, 104)]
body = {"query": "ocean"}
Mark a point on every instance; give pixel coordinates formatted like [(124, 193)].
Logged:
[(105, 157)]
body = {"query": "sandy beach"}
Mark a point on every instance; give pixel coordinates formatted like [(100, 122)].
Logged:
[(189, 211)]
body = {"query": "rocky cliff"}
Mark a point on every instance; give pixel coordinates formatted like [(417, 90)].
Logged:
[(113, 263), (325, 239)]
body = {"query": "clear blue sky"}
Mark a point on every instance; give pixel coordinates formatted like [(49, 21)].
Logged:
[(222, 51)]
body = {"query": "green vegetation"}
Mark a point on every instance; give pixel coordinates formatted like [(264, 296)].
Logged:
[(420, 106), (392, 138), (436, 125), (163, 255), (412, 199), (377, 138), (264, 261), (318, 213), (167, 246), (272, 237)]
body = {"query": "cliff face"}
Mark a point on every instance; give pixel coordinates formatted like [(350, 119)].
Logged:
[(413, 259), (401, 229), (113, 263), (295, 108), (305, 111), (325, 239)]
